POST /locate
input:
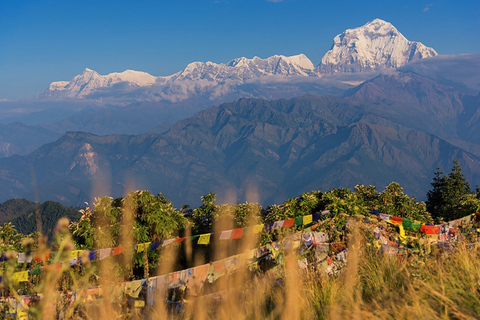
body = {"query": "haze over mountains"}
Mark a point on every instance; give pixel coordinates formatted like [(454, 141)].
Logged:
[(378, 108)]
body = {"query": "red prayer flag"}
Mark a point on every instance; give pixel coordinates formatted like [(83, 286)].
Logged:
[(237, 233), (288, 223), (430, 229), (179, 240), (118, 250), (44, 258), (396, 219)]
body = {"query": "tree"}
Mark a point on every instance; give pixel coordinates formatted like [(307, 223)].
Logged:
[(444, 201)]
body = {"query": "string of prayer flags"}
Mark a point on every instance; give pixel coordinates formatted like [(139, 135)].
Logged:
[(204, 238), (237, 233), (307, 219)]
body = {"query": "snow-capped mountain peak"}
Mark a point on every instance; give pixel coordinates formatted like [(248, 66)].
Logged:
[(375, 45)]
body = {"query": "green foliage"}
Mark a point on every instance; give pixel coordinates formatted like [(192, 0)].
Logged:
[(444, 201)]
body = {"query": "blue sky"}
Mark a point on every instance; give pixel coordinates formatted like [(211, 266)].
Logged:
[(45, 41)]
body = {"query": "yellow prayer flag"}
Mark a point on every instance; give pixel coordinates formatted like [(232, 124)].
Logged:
[(257, 228), (204, 238), (21, 276), (139, 304), (75, 253), (307, 219), (143, 246), (402, 233)]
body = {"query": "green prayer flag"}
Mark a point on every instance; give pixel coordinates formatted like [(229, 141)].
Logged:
[(407, 223), (416, 226), (298, 221)]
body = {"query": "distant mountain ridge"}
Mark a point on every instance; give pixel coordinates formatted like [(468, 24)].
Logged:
[(375, 46)]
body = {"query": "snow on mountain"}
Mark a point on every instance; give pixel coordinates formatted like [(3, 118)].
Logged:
[(377, 44), (374, 46), (88, 81), (197, 77)]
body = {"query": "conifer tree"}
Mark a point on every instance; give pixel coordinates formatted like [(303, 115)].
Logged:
[(436, 197), (444, 200)]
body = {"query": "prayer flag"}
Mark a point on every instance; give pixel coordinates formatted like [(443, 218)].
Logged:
[(288, 223), (218, 266), (154, 245), (167, 242), (204, 239), (384, 216), (225, 235), (257, 228), (133, 288), (267, 227), (75, 253), (45, 257), (298, 221), (103, 253), (430, 229), (237, 233), (277, 225), (179, 240), (316, 216), (22, 257), (416, 226), (21, 276), (407, 223), (142, 246), (396, 219), (139, 304), (118, 250), (307, 219)]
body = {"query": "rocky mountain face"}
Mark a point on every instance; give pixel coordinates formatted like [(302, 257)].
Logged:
[(391, 128), (376, 45)]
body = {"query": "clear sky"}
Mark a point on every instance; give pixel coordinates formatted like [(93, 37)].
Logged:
[(45, 41)]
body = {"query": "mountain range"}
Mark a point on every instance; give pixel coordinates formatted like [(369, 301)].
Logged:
[(377, 108), (397, 127)]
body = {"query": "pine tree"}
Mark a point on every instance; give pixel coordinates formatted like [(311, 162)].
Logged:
[(436, 197), (444, 200)]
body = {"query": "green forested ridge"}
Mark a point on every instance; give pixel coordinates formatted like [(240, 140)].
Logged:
[(23, 215)]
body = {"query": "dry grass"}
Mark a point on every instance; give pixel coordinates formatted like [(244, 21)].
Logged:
[(371, 285)]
